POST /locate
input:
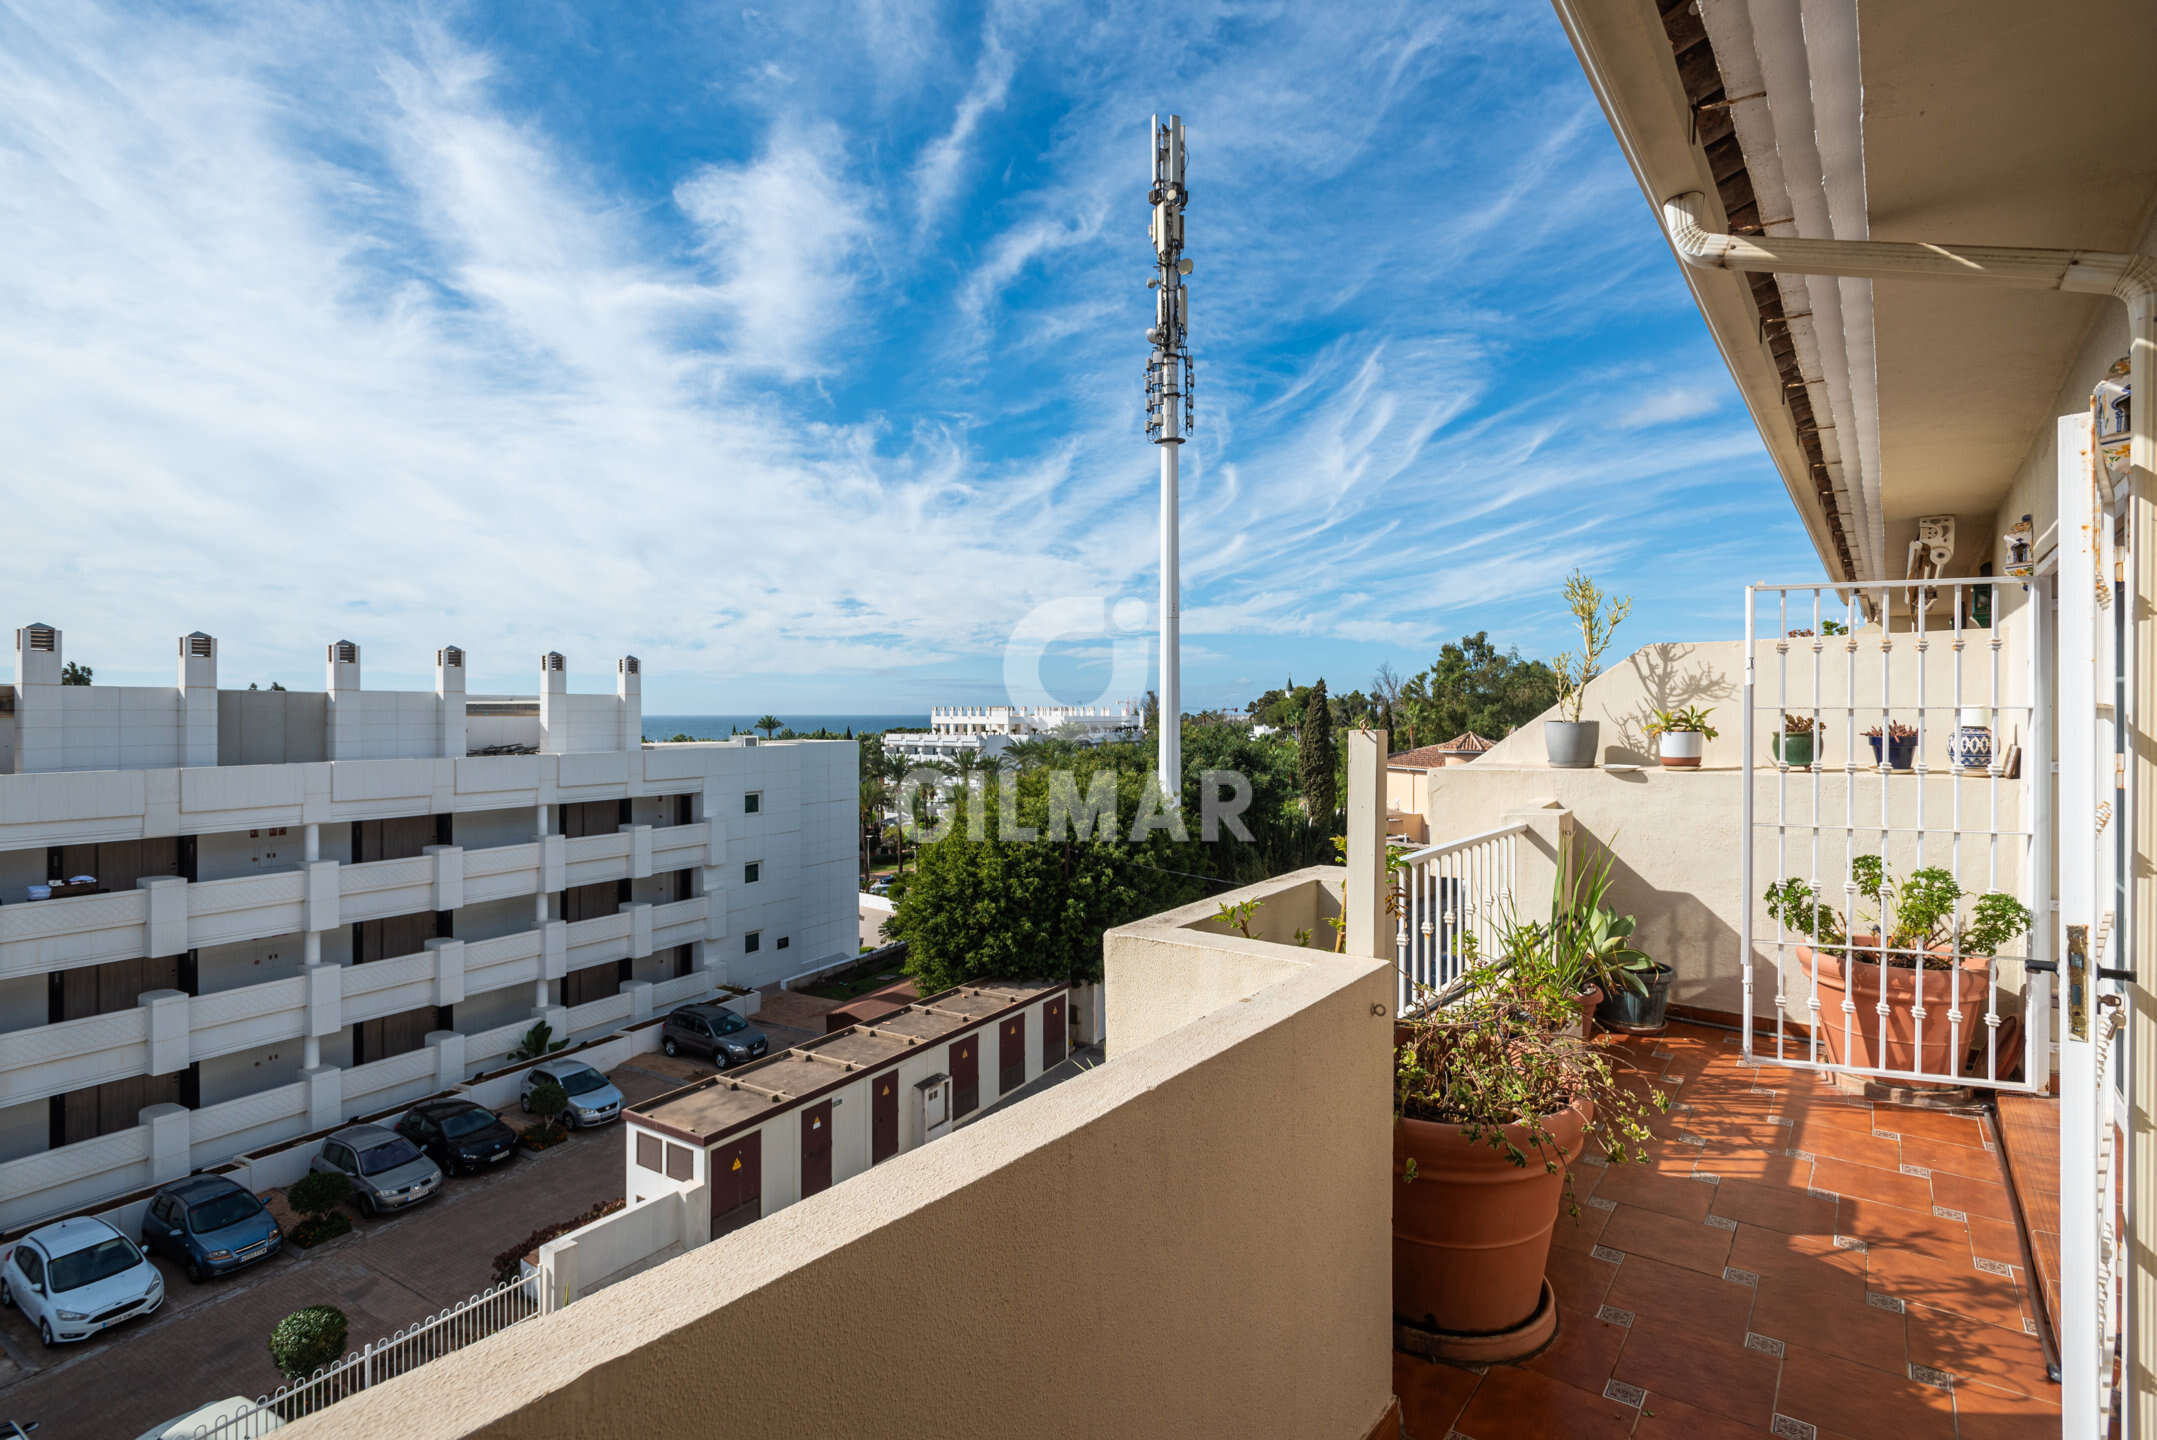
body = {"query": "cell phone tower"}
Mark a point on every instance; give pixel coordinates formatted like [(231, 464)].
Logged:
[(1168, 413)]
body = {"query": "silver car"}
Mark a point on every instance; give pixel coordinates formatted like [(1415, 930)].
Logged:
[(593, 1100), (387, 1171)]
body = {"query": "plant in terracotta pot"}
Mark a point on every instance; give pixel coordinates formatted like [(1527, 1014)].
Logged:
[(1587, 944), (1915, 954), (1570, 740), (1680, 736), (1795, 741), (1492, 1105)]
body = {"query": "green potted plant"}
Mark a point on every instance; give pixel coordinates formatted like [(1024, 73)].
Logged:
[(1914, 949), (1570, 740), (1680, 736), (1901, 745), (1793, 743), (1492, 1105)]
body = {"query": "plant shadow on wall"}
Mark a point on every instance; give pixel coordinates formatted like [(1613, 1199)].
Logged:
[(1669, 680)]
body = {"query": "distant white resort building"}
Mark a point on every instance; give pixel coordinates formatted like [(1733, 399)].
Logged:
[(988, 730), (232, 917)]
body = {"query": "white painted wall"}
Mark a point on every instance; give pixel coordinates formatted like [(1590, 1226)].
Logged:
[(483, 829), (25, 1129), (250, 962), (120, 727), (24, 1003)]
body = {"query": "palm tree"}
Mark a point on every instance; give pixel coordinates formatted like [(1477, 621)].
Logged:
[(767, 724)]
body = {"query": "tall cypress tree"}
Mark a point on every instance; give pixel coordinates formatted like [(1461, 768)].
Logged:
[(1314, 754)]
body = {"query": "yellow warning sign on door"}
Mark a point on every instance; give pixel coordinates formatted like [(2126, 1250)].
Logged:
[(737, 1163)]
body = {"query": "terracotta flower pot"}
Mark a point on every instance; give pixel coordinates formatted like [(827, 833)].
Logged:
[(1903, 1050), (1471, 1233), (1585, 1002)]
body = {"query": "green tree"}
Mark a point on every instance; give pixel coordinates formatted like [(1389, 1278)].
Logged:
[(73, 674), (1315, 757), (306, 1340), (767, 724), (1472, 686)]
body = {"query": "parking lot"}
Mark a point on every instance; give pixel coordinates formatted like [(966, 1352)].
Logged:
[(210, 1341)]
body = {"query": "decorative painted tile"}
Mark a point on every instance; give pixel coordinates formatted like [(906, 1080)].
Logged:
[(1918, 1170), (1720, 1222), (1765, 1344), (1797, 1155), (1597, 1202), (1883, 1302), (1994, 1267), (1604, 1252), (1709, 1176), (1849, 1242), (1740, 1277), (1692, 1139), (1761, 1090), (1937, 1379), (1887, 1134), (1623, 1393), (1611, 1314), (1591, 1158), (2029, 1327), (1946, 1214), (1788, 1429), (1783, 1120)]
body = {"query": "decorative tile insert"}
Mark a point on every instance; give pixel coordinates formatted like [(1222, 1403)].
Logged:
[(1612, 1315), (1918, 1170), (1597, 1202), (2029, 1327), (1937, 1379), (1709, 1176), (1765, 1344), (1692, 1139), (1783, 1120), (1604, 1252), (1994, 1267), (1761, 1090), (1720, 1222), (1887, 1134), (1794, 1154), (1946, 1214), (1623, 1393), (1789, 1429), (1590, 1157), (1849, 1242), (1883, 1302), (1740, 1277)]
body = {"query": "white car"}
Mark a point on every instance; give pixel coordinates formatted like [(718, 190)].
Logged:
[(76, 1277)]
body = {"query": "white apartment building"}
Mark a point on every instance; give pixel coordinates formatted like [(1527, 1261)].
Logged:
[(229, 918), (988, 730)]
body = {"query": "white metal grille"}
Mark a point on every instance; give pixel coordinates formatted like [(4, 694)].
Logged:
[(1938, 795), (1450, 900)]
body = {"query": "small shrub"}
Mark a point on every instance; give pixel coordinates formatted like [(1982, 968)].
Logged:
[(537, 1042), (547, 1101), (317, 1228), (306, 1340), (318, 1193), (509, 1261)]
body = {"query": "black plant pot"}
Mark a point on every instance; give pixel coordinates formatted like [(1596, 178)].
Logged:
[(1637, 1014)]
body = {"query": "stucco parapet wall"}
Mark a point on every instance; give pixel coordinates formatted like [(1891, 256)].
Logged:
[(1223, 1187)]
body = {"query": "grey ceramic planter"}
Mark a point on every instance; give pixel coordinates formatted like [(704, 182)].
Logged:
[(1571, 743)]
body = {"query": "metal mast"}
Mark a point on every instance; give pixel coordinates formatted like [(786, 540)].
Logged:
[(1168, 414)]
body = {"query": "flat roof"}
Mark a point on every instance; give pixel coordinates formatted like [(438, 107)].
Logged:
[(745, 1093)]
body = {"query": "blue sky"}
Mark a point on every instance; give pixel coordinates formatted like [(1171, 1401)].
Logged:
[(798, 349)]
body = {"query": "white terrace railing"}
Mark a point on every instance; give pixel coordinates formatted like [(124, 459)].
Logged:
[(1448, 899), (460, 1325)]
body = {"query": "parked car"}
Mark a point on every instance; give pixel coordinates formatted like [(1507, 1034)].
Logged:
[(76, 1277), (387, 1171), (593, 1100), (234, 1418), (210, 1225), (458, 1135), (712, 1030), (881, 885)]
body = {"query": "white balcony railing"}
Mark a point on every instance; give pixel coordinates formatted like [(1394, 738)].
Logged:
[(1451, 900), (243, 1018), (74, 1054), (388, 987), (380, 888)]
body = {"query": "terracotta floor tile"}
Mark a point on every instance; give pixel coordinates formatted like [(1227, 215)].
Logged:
[(1740, 1162), (1825, 1310), (1831, 1114), (1687, 1299), (1999, 1240), (1583, 1353), (1858, 1147), (1666, 1237), (1664, 1185), (1857, 1400), (1866, 1182), (1665, 1418), (1972, 1197), (1773, 1252), (1878, 1224), (1889, 1264), (1775, 1207), (1719, 1376), (1975, 1294), (1941, 1158), (1992, 1415), (1998, 1359), (1579, 1232), (1431, 1395), (1720, 1129), (1930, 1125), (1517, 1404), (1578, 1278)]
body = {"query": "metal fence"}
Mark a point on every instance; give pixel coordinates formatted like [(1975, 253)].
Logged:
[(1448, 900), (494, 1309), (1896, 765)]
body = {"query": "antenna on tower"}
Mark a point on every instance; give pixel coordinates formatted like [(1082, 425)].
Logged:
[(1168, 412)]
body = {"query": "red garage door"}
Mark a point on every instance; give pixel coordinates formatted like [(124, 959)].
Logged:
[(1052, 1032), (884, 1118), (737, 1183), (966, 1075), (815, 1149), (1011, 1054)]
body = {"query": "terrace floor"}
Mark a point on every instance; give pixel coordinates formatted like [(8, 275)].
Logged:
[(1790, 1262)]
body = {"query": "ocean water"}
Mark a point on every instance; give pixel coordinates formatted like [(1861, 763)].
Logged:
[(718, 727)]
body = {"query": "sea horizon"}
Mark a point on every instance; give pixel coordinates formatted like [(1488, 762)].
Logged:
[(718, 727)]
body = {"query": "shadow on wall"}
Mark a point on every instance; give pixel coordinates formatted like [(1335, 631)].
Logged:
[(1679, 929), (1667, 682)]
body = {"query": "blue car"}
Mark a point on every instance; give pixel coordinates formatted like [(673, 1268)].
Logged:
[(209, 1225)]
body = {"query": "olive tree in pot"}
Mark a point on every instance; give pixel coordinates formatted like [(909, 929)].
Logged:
[(1882, 985), (1492, 1105), (1570, 740)]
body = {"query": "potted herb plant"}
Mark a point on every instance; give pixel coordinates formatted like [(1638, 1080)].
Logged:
[(1901, 745), (1915, 951), (1680, 736), (1492, 1105), (1793, 744), (1570, 740)]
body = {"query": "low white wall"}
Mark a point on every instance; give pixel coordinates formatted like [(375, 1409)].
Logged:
[(594, 1255)]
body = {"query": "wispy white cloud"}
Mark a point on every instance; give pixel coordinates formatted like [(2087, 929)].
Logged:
[(1666, 407), (938, 172)]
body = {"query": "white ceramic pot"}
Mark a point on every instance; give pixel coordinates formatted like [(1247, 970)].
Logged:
[(1680, 749)]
